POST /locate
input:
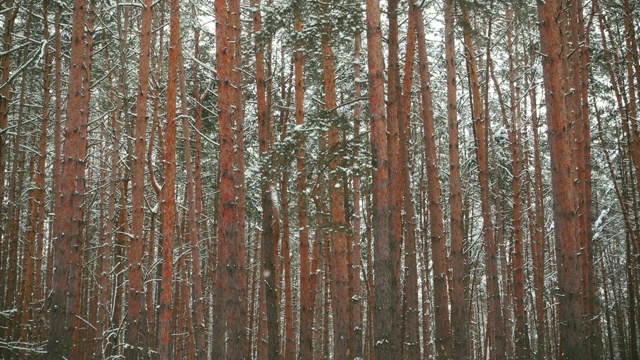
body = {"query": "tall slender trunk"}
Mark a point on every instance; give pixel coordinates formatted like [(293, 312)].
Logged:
[(538, 235), (566, 220), (434, 198), (66, 279), (577, 101), (35, 225), (193, 229), (105, 245), (269, 226), (339, 272), (169, 216), (16, 183), (57, 139), (152, 288), (136, 310), (199, 193), (460, 346), (123, 117), (5, 98), (289, 336), (230, 269), (497, 341), (393, 143), (306, 290), (411, 317), (355, 265), (387, 334), (514, 133)]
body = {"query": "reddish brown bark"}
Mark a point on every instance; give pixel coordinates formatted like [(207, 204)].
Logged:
[(81, 342), (339, 272), (169, 188), (387, 334), (577, 101), (193, 229), (64, 302), (411, 307), (538, 235), (238, 114), (269, 218), (153, 287), (289, 334), (306, 290), (393, 142), (520, 337), (442, 332), (566, 222), (136, 309), (230, 269), (497, 341), (461, 344), (89, 286)]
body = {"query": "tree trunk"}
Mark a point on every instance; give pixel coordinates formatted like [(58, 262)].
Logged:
[(387, 335), (193, 229), (289, 336), (460, 333), (434, 198), (35, 233), (514, 133), (355, 263), (393, 144), (169, 216), (497, 341), (5, 99), (411, 314), (566, 219), (339, 273), (64, 302), (270, 227), (136, 314), (230, 269), (538, 235), (306, 290)]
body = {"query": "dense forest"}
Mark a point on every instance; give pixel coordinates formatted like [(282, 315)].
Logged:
[(290, 179)]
